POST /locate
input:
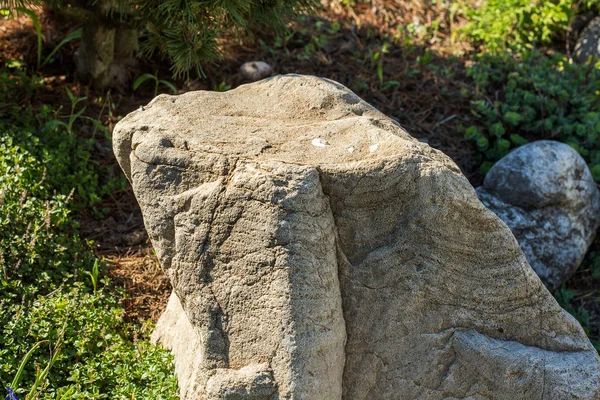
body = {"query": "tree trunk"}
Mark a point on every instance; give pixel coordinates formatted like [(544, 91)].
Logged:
[(126, 46), (96, 54), (108, 48)]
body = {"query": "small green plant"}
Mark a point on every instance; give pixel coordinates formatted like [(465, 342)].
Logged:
[(280, 43), (41, 375), (593, 262), (425, 59), (15, 382), (157, 82), (73, 115), (94, 274), (565, 298), (222, 87), (373, 57), (75, 35), (386, 85), (304, 43)]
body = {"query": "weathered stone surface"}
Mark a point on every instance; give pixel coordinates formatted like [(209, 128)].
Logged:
[(588, 43), (254, 381), (315, 246), (545, 193), (176, 333)]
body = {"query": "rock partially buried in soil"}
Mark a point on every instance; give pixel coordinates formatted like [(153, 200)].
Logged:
[(134, 238), (255, 70), (304, 270), (545, 193), (588, 43)]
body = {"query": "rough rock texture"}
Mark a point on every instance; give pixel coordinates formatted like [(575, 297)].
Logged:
[(320, 252), (186, 344), (588, 43), (545, 193)]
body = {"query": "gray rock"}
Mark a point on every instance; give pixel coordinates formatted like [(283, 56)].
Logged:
[(255, 70), (588, 42), (359, 265), (545, 193)]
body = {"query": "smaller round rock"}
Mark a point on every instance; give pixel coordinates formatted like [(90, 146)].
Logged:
[(255, 70), (545, 193)]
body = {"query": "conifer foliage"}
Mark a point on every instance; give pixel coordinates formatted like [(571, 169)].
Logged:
[(182, 31), (185, 31)]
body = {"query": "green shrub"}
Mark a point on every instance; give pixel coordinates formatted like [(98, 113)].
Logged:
[(97, 357), (535, 97), (53, 300), (42, 134), (39, 247), (517, 24)]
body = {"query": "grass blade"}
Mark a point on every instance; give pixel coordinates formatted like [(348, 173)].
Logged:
[(76, 34), (38, 30), (17, 377), (142, 79), (42, 375), (170, 86)]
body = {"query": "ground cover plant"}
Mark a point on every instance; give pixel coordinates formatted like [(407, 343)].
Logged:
[(537, 97), (56, 303), (521, 25), (518, 25), (473, 79)]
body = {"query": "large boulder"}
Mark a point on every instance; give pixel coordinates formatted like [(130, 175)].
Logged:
[(545, 193), (317, 251)]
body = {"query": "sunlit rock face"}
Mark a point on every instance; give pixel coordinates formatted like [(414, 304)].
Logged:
[(546, 194), (317, 251)]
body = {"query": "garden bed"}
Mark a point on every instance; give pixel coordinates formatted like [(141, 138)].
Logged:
[(405, 58)]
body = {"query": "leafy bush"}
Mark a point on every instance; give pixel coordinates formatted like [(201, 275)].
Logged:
[(517, 24), (532, 98), (73, 328), (43, 135), (45, 173), (39, 247), (96, 357)]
